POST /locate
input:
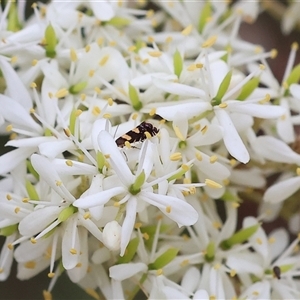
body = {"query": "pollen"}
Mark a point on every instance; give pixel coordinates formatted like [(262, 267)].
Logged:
[(104, 60), (117, 204), (233, 162), (134, 116), (169, 39), (274, 53), (295, 46), (148, 135), (73, 251), (91, 73), (73, 55), (25, 200), (110, 101), (176, 156), (209, 42), (223, 105), (61, 93), (185, 167), (87, 215), (33, 85), (232, 273), (13, 59), (259, 241), (10, 246), (30, 264), (152, 111), (187, 30), (58, 182), (9, 128), (159, 272), (51, 274), (33, 240), (168, 209), (184, 263), (262, 67), (8, 197), (17, 209), (138, 225), (178, 133), (47, 295), (199, 66), (96, 110), (146, 236), (97, 90), (213, 159), (192, 67), (155, 53), (69, 163), (127, 145), (87, 48), (107, 116), (212, 184)]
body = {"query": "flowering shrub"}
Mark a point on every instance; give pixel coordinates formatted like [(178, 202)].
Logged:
[(156, 213)]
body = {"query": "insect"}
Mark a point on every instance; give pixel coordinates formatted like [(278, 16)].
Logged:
[(137, 134)]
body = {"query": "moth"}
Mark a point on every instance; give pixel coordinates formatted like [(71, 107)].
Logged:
[(137, 134)]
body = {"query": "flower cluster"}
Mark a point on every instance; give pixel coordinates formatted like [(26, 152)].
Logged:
[(158, 212)]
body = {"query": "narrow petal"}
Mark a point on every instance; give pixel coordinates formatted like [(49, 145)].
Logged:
[(282, 190), (232, 140), (125, 271), (103, 10), (55, 147), (109, 147), (178, 210), (99, 198)]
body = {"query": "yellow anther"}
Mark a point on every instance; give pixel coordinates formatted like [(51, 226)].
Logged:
[(112, 43), (51, 274), (73, 251), (30, 264), (138, 225), (198, 156), (295, 46), (212, 184), (82, 97), (148, 135), (96, 110), (132, 48), (199, 66), (9, 128), (10, 246), (235, 204), (178, 133), (185, 167), (73, 55), (187, 180), (25, 200), (97, 90), (159, 272), (262, 67), (204, 129), (146, 236), (232, 273), (78, 112), (168, 209), (192, 67), (58, 182), (69, 163), (152, 111), (155, 53), (33, 240), (104, 60), (17, 209), (274, 53), (33, 85), (13, 59), (176, 156), (259, 241), (87, 48), (209, 42), (127, 145), (169, 39), (87, 215), (100, 41), (223, 105), (34, 62), (187, 30), (150, 13), (61, 93), (8, 197), (213, 159), (134, 116), (91, 73)]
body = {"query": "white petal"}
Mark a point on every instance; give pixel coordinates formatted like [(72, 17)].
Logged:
[(281, 240), (201, 295), (15, 88), (46, 170), (102, 10), (178, 88), (180, 211), (15, 113), (99, 198), (12, 159), (259, 290), (295, 90), (125, 271), (29, 142), (38, 220), (275, 150), (191, 279), (112, 235), (72, 167), (172, 293), (190, 109), (128, 223), (108, 146), (232, 140), (256, 110), (70, 241), (282, 190), (55, 147), (146, 158)]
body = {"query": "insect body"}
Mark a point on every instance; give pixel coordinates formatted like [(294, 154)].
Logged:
[(137, 134)]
